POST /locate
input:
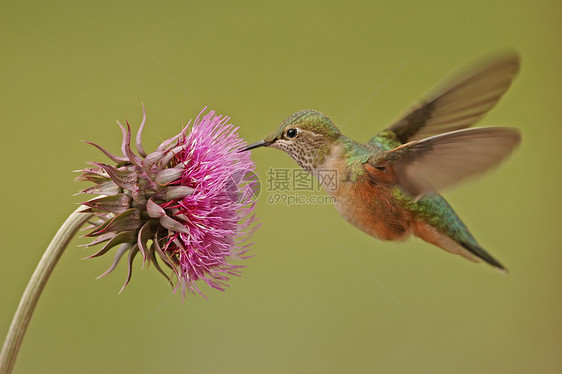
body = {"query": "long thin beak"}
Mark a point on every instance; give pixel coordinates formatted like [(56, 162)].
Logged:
[(261, 143)]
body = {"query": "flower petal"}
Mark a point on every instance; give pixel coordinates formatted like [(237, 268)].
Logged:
[(128, 220), (120, 252), (132, 253), (117, 203)]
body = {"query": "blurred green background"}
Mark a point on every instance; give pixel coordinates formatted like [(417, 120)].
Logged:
[(69, 69)]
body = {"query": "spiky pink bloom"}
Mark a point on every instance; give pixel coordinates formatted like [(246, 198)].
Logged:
[(190, 203)]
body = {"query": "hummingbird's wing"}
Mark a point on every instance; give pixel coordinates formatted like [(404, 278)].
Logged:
[(458, 104), (441, 161)]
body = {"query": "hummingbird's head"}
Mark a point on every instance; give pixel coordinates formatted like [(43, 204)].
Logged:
[(306, 136)]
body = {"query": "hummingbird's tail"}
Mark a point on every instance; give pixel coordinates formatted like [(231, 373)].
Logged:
[(481, 253), (442, 227), (468, 249)]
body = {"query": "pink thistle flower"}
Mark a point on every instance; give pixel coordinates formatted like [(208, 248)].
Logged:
[(188, 204)]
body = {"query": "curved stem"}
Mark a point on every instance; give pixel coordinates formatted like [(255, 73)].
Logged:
[(35, 287)]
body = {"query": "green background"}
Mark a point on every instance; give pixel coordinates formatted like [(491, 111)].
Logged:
[(69, 69)]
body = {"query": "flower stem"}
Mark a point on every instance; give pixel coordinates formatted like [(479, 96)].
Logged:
[(35, 287)]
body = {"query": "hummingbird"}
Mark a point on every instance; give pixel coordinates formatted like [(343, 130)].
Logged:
[(389, 186)]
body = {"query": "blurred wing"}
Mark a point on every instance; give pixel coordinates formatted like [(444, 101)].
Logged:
[(460, 103), (441, 161)]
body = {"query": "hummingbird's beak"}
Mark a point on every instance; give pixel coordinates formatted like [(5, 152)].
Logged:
[(261, 143)]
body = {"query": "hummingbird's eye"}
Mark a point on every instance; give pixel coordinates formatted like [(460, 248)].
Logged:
[(291, 133)]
